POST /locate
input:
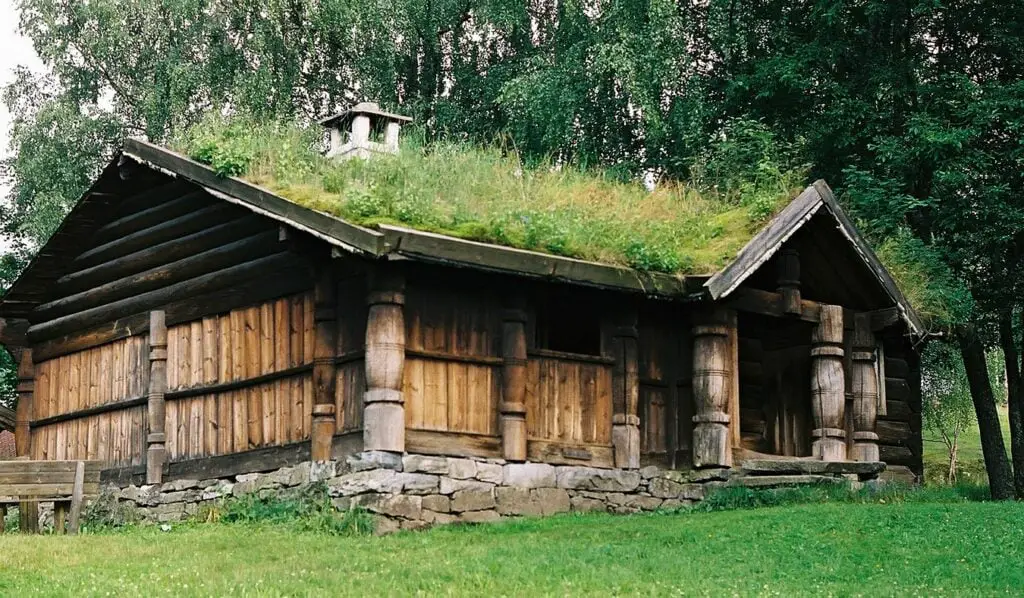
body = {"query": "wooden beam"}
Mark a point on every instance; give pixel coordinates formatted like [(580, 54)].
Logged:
[(13, 332), (513, 379), (156, 452), (285, 282), (164, 231), (324, 369), (383, 401), (160, 297), (159, 254), (767, 303), (161, 212), (254, 247)]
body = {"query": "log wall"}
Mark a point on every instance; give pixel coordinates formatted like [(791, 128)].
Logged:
[(899, 428)]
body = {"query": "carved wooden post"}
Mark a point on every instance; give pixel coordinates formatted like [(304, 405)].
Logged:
[(828, 386), (864, 383), (789, 280), (384, 408), (625, 393), (29, 511), (156, 453), (712, 383), (513, 381), (324, 369)]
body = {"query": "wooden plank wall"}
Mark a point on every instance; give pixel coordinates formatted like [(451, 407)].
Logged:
[(242, 344), (351, 373), (569, 401), (99, 376), (453, 365), (657, 364)]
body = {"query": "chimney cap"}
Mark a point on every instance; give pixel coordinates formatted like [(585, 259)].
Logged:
[(362, 108)]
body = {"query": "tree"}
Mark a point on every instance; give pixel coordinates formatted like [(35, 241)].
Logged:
[(947, 407)]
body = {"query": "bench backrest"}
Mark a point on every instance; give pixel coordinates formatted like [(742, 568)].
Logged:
[(47, 479)]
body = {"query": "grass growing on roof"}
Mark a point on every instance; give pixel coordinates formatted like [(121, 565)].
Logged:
[(486, 194)]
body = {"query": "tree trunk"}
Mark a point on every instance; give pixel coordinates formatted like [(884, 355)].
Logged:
[(1013, 400), (992, 447)]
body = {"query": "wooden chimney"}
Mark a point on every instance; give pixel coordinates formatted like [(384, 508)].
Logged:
[(362, 131)]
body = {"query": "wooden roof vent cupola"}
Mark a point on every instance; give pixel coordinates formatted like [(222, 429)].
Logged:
[(363, 130)]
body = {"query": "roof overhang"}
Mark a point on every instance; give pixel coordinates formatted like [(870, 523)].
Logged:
[(816, 199)]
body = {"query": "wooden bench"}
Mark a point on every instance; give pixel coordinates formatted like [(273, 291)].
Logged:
[(64, 483)]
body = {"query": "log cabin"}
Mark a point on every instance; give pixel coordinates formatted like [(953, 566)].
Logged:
[(181, 323)]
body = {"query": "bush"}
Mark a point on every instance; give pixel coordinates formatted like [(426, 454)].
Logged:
[(307, 509)]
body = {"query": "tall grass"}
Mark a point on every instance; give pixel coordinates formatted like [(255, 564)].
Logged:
[(487, 194)]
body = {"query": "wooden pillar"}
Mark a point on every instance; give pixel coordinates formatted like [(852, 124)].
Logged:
[(625, 393), (383, 404), (713, 370), (324, 368), (828, 386), (864, 385), (513, 382), (156, 453), (28, 511), (789, 281)]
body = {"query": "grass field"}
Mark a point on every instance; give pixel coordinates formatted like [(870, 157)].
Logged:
[(930, 548)]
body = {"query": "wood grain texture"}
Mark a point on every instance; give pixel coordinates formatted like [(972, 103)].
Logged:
[(569, 401)]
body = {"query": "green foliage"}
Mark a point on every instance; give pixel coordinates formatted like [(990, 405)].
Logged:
[(105, 513), (926, 280), (309, 509), (488, 194), (726, 499)]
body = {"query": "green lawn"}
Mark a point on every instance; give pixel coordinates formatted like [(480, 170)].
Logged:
[(825, 549), (971, 462)]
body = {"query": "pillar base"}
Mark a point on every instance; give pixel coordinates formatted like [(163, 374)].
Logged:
[(830, 444), (865, 447), (711, 447), (513, 432), (626, 442), (384, 427), (155, 457), (322, 432)]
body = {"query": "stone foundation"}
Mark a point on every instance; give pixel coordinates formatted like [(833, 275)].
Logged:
[(415, 491)]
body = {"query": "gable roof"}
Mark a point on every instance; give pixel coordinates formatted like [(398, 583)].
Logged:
[(396, 242)]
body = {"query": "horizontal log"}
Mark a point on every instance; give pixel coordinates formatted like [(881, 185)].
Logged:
[(13, 332), (894, 433), (896, 389), (38, 491), (151, 216), (444, 356), (896, 368), (898, 411), (248, 249), (566, 356), (211, 389), (560, 453), (165, 231), (41, 466), (118, 405), (152, 195), (453, 444), (49, 477), (159, 298), (899, 455), (159, 254), (288, 282), (768, 303)]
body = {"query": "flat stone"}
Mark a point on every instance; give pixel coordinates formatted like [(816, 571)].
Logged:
[(516, 501), (587, 505), (450, 486), (375, 460), (438, 518), (398, 505), (425, 464), (342, 503), (551, 500), (418, 483), (317, 471), (803, 467), (489, 472), (650, 471), (374, 480), (479, 516), (775, 481), (172, 497), (644, 503), (247, 477), (664, 488), (461, 469), (414, 525), (711, 474), (438, 503), (592, 478), (472, 500), (384, 526), (529, 475), (178, 485)]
